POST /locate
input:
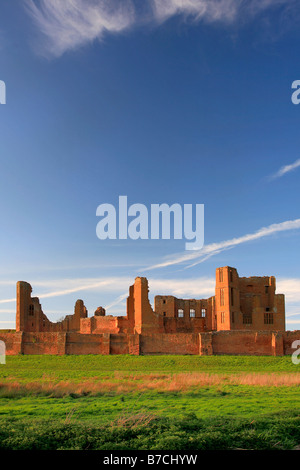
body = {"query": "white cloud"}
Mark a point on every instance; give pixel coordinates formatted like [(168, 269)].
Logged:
[(210, 10), (50, 288), (7, 301), (292, 322), (202, 287), (118, 301), (77, 285), (69, 24), (199, 256), (286, 169), (291, 289), (227, 11), (6, 283)]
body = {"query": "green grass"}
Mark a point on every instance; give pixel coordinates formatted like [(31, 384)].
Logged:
[(227, 401), (280, 431), (76, 368), (217, 416)]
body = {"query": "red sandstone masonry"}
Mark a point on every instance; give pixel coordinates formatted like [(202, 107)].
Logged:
[(288, 338), (134, 346), (13, 342), (179, 343), (231, 322), (205, 344), (223, 342), (77, 343), (242, 342), (44, 343)]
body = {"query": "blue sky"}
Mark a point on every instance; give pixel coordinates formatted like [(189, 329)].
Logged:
[(174, 101)]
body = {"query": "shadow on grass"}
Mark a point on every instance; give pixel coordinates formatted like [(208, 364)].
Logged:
[(149, 432)]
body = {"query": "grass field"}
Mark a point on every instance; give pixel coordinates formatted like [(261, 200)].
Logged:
[(149, 402)]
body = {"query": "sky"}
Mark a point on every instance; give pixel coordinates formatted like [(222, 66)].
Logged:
[(164, 101)]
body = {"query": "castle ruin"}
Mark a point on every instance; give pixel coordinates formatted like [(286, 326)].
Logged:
[(245, 316)]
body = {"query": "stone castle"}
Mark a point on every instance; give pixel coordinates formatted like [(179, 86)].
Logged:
[(245, 316)]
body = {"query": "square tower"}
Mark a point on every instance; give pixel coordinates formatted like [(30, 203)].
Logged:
[(227, 298)]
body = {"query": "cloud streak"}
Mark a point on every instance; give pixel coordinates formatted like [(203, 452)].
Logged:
[(69, 24), (286, 169), (75, 285), (181, 287), (7, 301), (213, 249), (199, 286)]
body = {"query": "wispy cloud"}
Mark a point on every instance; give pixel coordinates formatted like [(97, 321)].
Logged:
[(291, 288), (199, 286), (216, 10), (202, 287), (69, 24), (209, 10), (77, 285), (180, 287), (7, 301), (199, 256), (107, 284), (286, 169)]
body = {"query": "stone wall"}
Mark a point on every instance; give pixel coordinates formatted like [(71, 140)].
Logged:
[(13, 342), (265, 343), (178, 343)]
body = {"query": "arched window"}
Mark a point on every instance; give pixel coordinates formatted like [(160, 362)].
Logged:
[(180, 313), (192, 313)]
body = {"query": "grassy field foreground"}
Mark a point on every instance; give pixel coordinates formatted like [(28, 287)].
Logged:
[(149, 402)]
